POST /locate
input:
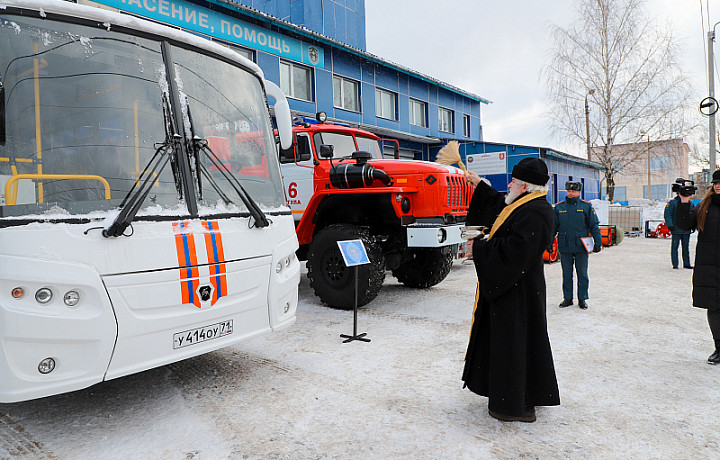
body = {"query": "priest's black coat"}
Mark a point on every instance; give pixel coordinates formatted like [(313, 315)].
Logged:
[(509, 358)]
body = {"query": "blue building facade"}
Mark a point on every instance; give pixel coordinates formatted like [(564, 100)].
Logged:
[(341, 20)]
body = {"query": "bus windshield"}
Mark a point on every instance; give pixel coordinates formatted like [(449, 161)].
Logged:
[(83, 110)]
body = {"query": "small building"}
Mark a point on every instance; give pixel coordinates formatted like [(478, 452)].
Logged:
[(652, 167), (495, 162)]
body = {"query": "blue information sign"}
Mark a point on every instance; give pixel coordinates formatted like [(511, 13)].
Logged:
[(196, 18), (353, 252)]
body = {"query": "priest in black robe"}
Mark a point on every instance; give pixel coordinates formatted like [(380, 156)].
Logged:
[(508, 358)]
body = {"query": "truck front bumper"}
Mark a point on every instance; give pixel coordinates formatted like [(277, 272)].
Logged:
[(432, 236)]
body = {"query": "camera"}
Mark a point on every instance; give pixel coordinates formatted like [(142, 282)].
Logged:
[(684, 187)]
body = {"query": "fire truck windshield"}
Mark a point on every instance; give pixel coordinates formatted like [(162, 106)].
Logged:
[(344, 145)]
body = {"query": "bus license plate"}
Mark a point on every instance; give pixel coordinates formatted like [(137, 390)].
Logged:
[(201, 334)]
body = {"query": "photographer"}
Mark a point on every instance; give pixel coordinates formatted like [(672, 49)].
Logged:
[(677, 219)]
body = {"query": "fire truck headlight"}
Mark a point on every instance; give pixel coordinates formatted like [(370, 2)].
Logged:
[(405, 205), (43, 295), (441, 235), (71, 298)]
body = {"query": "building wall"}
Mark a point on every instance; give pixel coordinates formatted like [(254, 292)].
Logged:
[(668, 161), (342, 20)]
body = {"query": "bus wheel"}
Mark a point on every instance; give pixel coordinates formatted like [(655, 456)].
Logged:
[(332, 281), (424, 268)]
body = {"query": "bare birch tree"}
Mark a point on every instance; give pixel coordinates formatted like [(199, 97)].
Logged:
[(628, 69)]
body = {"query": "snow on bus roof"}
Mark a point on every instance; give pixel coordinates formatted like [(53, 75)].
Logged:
[(110, 18)]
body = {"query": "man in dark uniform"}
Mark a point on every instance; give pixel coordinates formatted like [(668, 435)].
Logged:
[(508, 358), (575, 219)]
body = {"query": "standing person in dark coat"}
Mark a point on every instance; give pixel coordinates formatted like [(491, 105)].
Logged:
[(706, 277), (509, 359), (674, 211), (575, 219)]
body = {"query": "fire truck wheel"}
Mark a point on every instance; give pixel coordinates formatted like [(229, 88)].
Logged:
[(332, 281), (424, 268)]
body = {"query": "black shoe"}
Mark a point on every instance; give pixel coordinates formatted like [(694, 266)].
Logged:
[(583, 305), (675, 268), (688, 266), (528, 416), (565, 303), (714, 358)]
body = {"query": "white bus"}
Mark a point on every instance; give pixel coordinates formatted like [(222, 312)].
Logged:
[(126, 241)]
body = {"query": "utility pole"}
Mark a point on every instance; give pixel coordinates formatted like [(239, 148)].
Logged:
[(711, 91), (587, 122), (648, 169)]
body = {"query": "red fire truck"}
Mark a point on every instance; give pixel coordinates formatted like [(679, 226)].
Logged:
[(408, 213)]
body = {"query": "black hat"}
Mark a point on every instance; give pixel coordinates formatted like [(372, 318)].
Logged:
[(531, 170), (716, 176), (573, 185)]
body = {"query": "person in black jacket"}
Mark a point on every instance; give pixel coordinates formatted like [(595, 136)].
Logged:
[(674, 211), (508, 358), (706, 278)]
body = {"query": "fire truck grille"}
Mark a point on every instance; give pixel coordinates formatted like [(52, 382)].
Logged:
[(459, 192)]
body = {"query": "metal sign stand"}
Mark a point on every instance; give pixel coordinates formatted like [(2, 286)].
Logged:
[(354, 255)]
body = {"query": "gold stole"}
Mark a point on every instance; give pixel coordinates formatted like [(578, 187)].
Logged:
[(507, 210)]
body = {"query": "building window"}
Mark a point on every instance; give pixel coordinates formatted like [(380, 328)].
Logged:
[(244, 52), (445, 120), (659, 164), (466, 125), (296, 81), (418, 113), (385, 104), (346, 94)]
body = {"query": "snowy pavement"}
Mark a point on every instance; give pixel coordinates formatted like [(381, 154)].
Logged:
[(632, 371)]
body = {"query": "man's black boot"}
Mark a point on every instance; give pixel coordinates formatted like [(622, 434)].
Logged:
[(565, 303), (583, 304), (714, 358)]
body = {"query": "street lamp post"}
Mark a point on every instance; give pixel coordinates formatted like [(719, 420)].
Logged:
[(648, 169), (587, 122)]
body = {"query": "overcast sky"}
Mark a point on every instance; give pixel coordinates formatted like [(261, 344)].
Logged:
[(497, 48)]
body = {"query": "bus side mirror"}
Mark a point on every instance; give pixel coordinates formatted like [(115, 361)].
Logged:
[(287, 155), (327, 151)]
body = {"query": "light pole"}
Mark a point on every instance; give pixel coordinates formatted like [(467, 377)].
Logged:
[(587, 121), (711, 93), (648, 169)]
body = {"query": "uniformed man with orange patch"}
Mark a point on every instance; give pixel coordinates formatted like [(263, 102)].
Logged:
[(575, 219)]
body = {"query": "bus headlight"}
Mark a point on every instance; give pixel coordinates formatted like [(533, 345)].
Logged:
[(71, 298), (43, 295), (46, 366)]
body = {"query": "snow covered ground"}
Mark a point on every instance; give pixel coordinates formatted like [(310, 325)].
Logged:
[(634, 383)]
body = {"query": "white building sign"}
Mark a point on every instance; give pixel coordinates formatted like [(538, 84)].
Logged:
[(485, 164)]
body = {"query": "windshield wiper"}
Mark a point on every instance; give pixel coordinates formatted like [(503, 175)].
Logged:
[(2, 113), (135, 197), (202, 145)]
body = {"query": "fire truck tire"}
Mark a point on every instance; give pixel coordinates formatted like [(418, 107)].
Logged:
[(332, 281), (426, 267)]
